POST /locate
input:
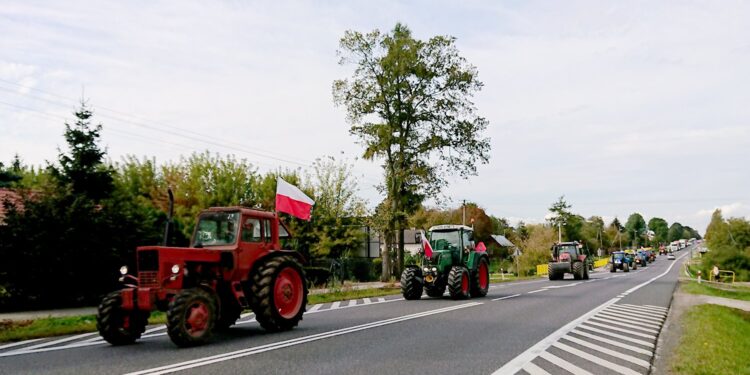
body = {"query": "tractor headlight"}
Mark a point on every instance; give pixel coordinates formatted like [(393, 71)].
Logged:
[(434, 269), (124, 270), (176, 269), (426, 269)]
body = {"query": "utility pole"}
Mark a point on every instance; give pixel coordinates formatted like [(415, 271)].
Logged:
[(463, 220), (559, 233)]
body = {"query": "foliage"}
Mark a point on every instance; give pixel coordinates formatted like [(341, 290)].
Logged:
[(739, 293), (636, 228), (409, 103), (729, 244), (570, 223), (10, 176), (675, 232), (660, 228), (536, 248)]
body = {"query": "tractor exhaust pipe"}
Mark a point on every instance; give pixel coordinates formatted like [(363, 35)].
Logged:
[(168, 226)]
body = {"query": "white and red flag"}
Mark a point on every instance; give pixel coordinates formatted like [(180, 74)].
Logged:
[(426, 246), (292, 200)]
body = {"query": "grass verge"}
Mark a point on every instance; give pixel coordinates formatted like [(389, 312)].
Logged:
[(740, 293), (715, 340), (496, 278)]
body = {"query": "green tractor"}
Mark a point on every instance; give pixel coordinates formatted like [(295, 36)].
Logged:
[(449, 259)]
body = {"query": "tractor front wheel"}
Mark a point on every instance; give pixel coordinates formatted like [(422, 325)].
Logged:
[(117, 326), (625, 267), (585, 273), (480, 283), (458, 282), (411, 283), (279, 294), (191, 317)]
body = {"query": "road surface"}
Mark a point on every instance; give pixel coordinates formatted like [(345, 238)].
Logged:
[(606, 325)]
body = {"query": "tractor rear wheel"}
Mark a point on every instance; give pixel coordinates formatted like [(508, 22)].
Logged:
[(436, 290), (578, 270), (458, 282), (585, 273), (411, 283), (480, 283), (551, 274), (117, 326), (279, 294), (191, 317), (625, 267)]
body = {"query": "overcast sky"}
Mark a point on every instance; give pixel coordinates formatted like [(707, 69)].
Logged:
[(623, 107)]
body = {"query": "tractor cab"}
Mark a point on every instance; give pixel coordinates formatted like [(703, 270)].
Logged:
[(569, 257), (450, 241)]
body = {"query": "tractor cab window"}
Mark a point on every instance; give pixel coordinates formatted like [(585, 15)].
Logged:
[(251, 230), (466, 239), (445, 240), (570, 249), (267, 236), (285, 239), (216, 229), (618, 255)]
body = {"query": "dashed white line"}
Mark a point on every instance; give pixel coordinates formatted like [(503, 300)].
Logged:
[(629, 325), (617, 335), (608, 317), (636, 313), (536, 291), (533, 369), (315, 308), (643, 310), (335, 305), (628, 331), (506, 297), (25, 342), (604, 350), (629, 314)]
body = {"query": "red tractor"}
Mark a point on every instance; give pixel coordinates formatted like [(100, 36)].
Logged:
[(569, 257), (234, 262)]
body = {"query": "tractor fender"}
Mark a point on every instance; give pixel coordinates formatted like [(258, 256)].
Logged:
[(474, 261), (274, 254)]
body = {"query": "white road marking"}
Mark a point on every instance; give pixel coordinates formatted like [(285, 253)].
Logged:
[(516, 364), (637, 313), (533, 369), (367, 301), (612, 342), (506, 297), (536, 291), (643, 310), (292, 342), (630, 315), (628, 325), (604, 350), (599, 361), (623, 330), (315, 308), (608, 317), (618, 336), (564, 364), (55, 342), (25, 342), (335, 305), (657, 307)]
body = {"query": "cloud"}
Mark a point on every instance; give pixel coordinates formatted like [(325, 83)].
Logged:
[(727, 210)]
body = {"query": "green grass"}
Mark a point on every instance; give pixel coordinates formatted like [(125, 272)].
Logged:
[(347, 294), (507, 278), (740, 293), (715, 340)]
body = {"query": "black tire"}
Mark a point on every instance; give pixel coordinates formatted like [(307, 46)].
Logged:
[(477, 290), (230, 313), (550, 272), (578, 270), (436, 290), (585, 273), (412, 283), (458, 283), (613, 269), (625, 267), (116, 326), (262, 294), (191, 317)]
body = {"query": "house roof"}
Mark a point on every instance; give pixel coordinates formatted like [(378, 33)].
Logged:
[(502, 240)]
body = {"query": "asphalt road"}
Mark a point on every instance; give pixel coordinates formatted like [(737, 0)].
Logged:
[(608, 324)]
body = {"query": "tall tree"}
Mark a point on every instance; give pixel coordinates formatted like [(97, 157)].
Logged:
[(636, 228), (569, 223), (83, 169), (410, 105), (675, 232), (660, 228)]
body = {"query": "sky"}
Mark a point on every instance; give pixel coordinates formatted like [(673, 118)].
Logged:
[(622, 107)]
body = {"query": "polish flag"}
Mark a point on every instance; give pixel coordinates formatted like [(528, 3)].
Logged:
[(292, 200), (426, 246)]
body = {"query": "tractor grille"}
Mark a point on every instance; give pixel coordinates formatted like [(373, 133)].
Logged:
[(148, 260), (148, 279)]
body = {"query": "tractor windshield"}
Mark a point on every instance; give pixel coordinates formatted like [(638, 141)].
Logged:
[(618, 255), (449, 240), (570, 249), (216, 229)]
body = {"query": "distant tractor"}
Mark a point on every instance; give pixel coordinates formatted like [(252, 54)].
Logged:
[(234, 263), (454, 263), (619, 260), (569, 257)]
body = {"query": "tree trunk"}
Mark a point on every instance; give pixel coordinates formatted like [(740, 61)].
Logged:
[(386, 275), (400, 250)]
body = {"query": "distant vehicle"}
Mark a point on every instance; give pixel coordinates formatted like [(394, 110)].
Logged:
[(674, 246), (683, 244), (569, 257), (642, 258), (619, 260), (662, 250), (670, 256)]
